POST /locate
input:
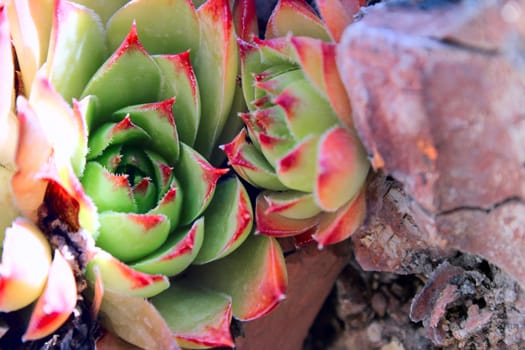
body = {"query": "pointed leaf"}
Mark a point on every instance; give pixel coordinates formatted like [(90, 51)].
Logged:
[(307, 113), (170, 205), (245, 19), (108, 191), (116, 83), (342, 167), (30, 24), (157, 120), (6, 92), (198, 318), (180, 81), (130, 236), (103, 8), (136, 321), (297, 170), (120, 278), (339, 225), (109, 134), (255, 289), (144, 195), (216, 65), (26, 257), (56, 302), (28, 186), (297, 18), (77, 36), (229, 220), (197, 179), (337, 15), (291, 204), (169, 26), (317, 60), (176, 254), (249, 163), (276, 225)]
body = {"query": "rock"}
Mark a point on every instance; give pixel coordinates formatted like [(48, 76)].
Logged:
[(438, 91)]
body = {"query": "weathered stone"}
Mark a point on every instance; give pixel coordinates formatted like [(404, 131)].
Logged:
[(438, 91)]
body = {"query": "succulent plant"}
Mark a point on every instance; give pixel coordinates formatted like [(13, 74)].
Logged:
[(299, 144), (30, 273), (122, 106)]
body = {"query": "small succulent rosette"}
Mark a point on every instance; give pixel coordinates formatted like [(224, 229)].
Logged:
[(299, 144), (125, 104), (31, 274)]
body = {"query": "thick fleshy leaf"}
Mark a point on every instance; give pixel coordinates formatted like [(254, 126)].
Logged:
[(116, 83), (317, 60), (339, 225), (51, 110), (297, 18), (120, 278), (304, 109), (233, 125), (161, 169), (110, 134), (276, 225), (56, 302), (297, 169), (26, 257), (216, 65), (245, 19), (157, 120), (197, 318), (250, 63), (342, 167), (7, 136), (197, 178), (77, 36), (177, 253), (170, 204), (130, 236), (104, 9), (337, 15), (9, 209), (108, 191), (291, 204), (248, 162), (229, 220), (255, 289), (167, 26), (180, 81), (136, 321), (30, 24), (27, 183)]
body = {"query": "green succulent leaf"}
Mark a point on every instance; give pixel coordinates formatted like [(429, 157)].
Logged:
[(297, 169), (108, 191), (119, 277), (216, 64), (257, 287), (130, 236), (291, 204), (229, 220), (180, 81), (177, 253), (198, 318), (197, 177), (76, 36), (116, 83), (158, 122), (167, 26)]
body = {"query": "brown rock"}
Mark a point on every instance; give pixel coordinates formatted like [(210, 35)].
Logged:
[(438, 91)]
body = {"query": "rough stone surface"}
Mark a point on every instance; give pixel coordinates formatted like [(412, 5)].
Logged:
[(438, 92)]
